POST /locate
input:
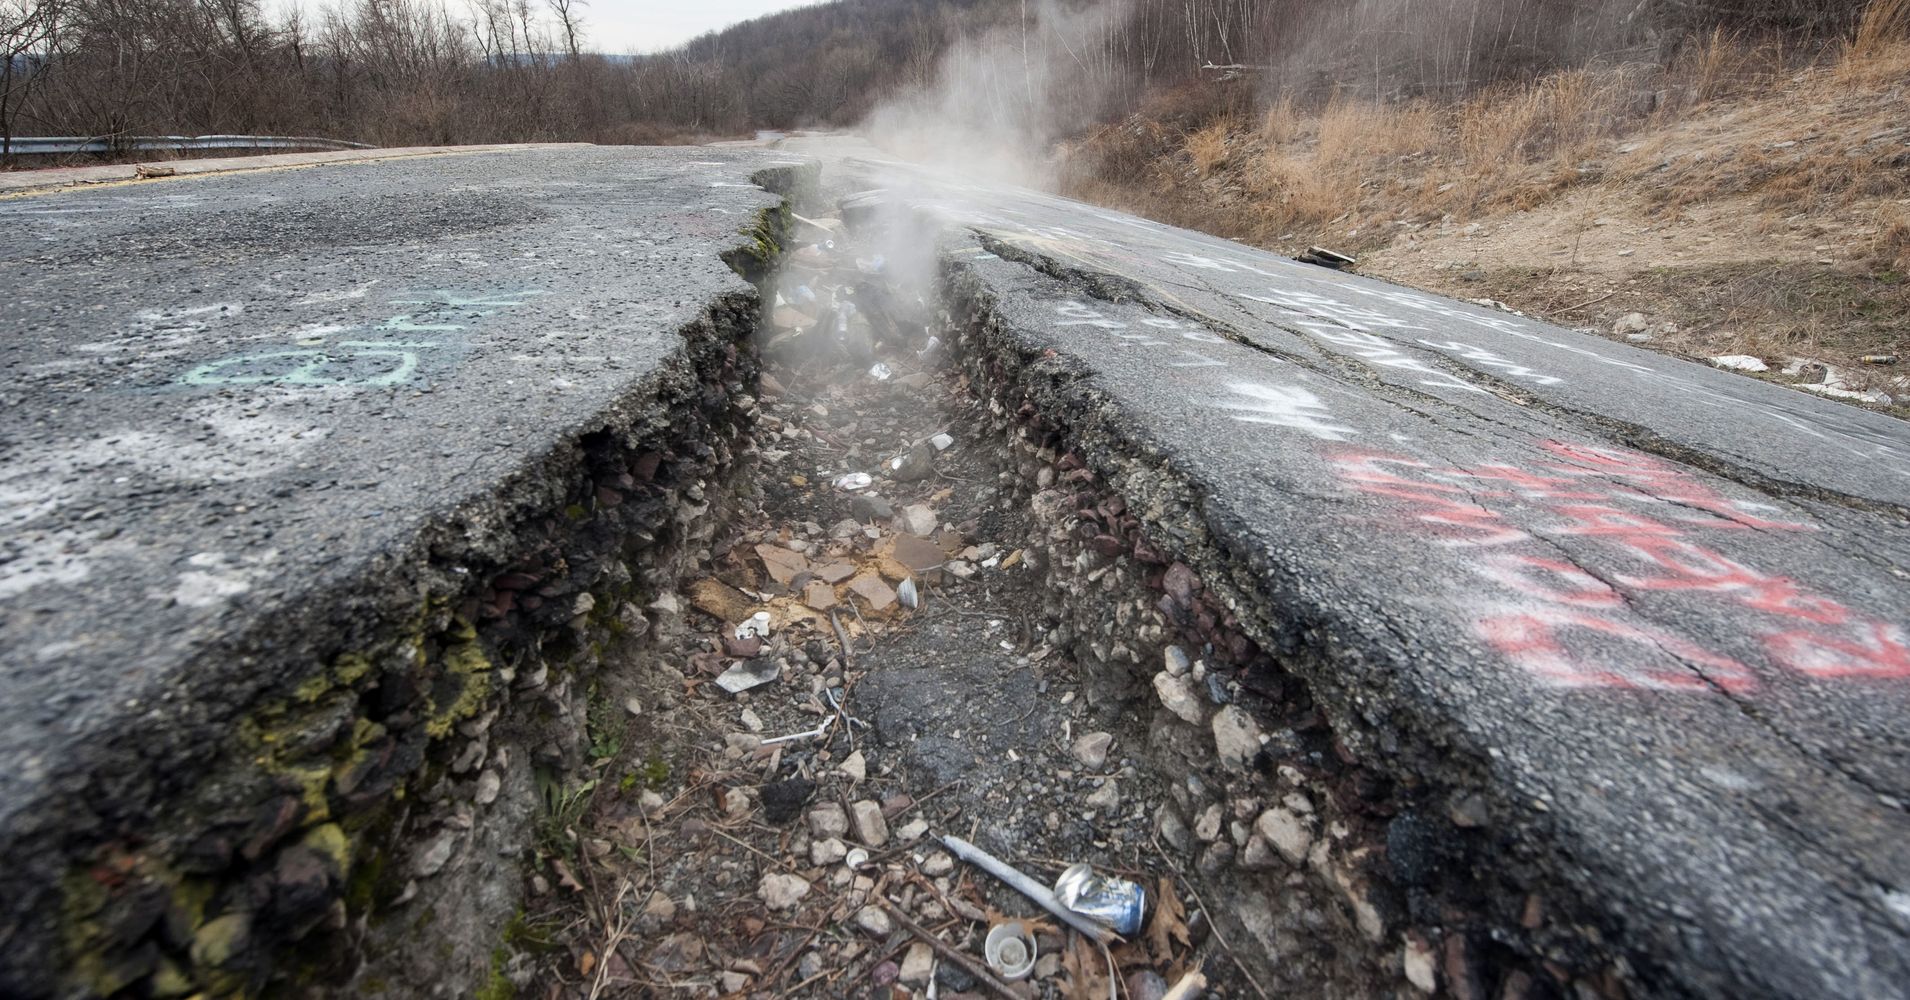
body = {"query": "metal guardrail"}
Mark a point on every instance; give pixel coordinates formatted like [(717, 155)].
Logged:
[(48, 145)]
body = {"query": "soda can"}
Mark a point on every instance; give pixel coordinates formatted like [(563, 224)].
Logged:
[(1116, 902), (1879, 359)]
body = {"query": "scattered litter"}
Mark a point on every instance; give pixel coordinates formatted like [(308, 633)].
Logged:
[(755, 626), (906, 593), (1879, 359), (1326, 258), (1115, 902), (148, 170), (1014, 879), (749, 674), (943, 442), (1010, 951), (1740, 362), (808, 734), (856, 858), (1189, 987), (854, 481), (880, 372), (930, 350), (1638, 338)]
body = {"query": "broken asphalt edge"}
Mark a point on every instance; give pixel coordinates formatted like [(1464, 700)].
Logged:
[(296, 805), (50, 179), (1599, 931)]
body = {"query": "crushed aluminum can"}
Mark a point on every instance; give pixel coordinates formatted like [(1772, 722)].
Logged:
[(880, 372), (1104, 899), (854, 481)]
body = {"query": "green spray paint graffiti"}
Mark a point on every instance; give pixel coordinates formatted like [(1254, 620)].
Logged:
[(365, 364)]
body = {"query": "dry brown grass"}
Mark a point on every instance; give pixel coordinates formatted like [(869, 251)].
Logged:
[(1207, 147), (1893, 243)]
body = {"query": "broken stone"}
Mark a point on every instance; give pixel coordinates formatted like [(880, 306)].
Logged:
[(874, 922), (1630, 323), (1207, 824), (917, 519), (870, 588), (1176, 661), (1172, 830), (835, 572), (1236, 736), (1177, 695), (1092, 749), (855, 766), (918, 964), (827, 852), (733, 982), (1257, 855), (488, 785), (1105, 798), (1419, 964), (432, 857), (1286, 831), (870, 827), (937, 865), (828, 820), (780, 891), (819, 595), (912, 830)]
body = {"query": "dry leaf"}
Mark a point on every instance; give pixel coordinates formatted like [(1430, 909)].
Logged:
[(586, 962), (564, 876), (1085, 969), (1169, 924)]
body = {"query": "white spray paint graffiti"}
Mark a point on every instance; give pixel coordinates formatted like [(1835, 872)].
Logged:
[(1285, 406), (1079, 314)]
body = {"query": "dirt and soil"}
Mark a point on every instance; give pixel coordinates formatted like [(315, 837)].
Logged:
[(715, 856)]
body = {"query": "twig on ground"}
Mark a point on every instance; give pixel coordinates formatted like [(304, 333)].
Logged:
[(1588, 302), (967, 962), (1211, 922)]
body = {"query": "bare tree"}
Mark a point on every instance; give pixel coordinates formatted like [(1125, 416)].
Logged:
[(26, 30)]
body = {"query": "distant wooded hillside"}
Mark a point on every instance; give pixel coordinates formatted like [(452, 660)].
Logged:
[(433, 71)]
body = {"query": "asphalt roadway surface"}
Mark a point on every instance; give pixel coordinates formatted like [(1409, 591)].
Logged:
[(1667, 603), (224, 400)]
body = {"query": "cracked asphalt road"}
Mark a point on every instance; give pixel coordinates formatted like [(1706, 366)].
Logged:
[(1666, 605), (239, 412)]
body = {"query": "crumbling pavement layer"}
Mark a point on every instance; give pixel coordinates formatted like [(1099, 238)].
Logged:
[(325, 493)]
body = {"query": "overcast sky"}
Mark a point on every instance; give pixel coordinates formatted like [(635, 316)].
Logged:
[(639, 25), (649, 25)]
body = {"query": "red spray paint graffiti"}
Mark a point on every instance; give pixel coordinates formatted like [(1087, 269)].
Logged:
[(1570, 622)]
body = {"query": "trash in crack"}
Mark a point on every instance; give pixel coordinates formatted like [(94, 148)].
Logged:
[(1095, 931), (906, 593), (1116, 902), (749, 674), (1010, 950), (880, 372), (854, 481), (1323, 257), (755, 626)]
